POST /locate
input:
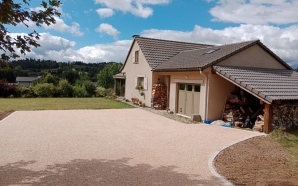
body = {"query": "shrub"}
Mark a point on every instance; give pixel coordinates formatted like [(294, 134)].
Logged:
[(26, 92), (101, 92), (89, 87), (65, 88), (44, 90), (79, 91), (6, 90), (110, 92)]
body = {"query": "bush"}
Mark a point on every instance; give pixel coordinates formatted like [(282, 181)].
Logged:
[(89, 87), (45, 90), (110, 92), (7, 90), (79, 91), (65, 88), (26, 92), (101, 92)]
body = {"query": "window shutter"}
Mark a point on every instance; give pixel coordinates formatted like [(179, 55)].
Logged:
[(136, 81), (145, 83)]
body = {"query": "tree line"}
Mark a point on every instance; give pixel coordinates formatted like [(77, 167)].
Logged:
[(36, 67), (58, 79)]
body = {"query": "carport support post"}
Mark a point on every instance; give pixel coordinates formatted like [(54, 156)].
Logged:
[(115, 86), (267, 118)]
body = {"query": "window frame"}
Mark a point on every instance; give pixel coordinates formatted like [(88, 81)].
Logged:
[(136, 56)]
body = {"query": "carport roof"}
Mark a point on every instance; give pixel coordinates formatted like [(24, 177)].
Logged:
[(266, 84)]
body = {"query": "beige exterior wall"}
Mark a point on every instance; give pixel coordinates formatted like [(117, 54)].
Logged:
[(218, 90), (254, 56), (26, 83), (132, 70), (174, 78)]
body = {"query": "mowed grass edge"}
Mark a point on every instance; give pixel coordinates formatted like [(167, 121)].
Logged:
[(289, 140), (19, 104)]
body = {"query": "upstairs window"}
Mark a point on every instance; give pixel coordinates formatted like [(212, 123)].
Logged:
[(136, 60)]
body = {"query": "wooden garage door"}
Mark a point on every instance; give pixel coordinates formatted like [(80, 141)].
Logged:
[(188, 99)]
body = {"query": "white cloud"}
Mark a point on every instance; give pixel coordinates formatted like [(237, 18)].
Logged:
[(105, 12), (108, 29), (62, 50), (116, 51), (282, 41), (62, 27), (136, 7), (256, 11)]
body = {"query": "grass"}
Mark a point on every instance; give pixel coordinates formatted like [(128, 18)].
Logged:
[(16, 104), (289, 140)]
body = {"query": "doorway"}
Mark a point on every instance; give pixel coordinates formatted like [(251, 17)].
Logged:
[(188, 98)]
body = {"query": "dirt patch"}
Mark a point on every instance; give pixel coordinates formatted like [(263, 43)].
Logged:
[(257, 161), (5, 114)]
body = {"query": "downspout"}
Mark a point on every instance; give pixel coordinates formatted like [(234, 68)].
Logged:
[(206, 91)]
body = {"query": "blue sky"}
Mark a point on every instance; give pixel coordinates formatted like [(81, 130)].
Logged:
[(101, 30)]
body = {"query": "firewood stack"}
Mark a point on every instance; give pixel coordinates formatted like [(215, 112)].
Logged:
[(234, 109), (159, 96), (259, 124), (285, 115)]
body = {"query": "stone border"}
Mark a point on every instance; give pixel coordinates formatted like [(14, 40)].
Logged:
[(8, 116)]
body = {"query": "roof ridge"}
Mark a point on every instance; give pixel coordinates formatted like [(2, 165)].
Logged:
[(216, 46), (175, 41), (240, 42)]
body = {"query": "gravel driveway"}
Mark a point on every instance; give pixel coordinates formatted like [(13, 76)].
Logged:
[(108, 147)]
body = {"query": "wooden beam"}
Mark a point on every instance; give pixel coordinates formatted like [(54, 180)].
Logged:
[(268, 118), (115, 84)]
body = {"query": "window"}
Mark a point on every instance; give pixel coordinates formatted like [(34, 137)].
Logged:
[(181, 86), (189, 88), (197, 88), (136, 56), (140, 82)]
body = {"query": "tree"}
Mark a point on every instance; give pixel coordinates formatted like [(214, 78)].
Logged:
[(105, 76), (71, 76), (12, 13), (49, 78)]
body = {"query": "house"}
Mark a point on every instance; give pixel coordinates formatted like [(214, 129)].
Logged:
[(26, 81), (198, 79)]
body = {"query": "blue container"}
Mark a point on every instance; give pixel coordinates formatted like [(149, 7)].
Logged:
[(207, 121)]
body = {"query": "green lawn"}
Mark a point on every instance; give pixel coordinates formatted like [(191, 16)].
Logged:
[(288, 140), (14, 104)]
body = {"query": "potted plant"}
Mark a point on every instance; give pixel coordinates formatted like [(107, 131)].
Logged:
[(139, 87)]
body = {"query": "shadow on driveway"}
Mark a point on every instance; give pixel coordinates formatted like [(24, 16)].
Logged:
[(96, 172)]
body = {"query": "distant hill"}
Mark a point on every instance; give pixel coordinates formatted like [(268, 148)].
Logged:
[(37, 67)]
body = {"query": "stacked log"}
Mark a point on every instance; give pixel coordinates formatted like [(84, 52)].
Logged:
[(159, 96), (285, 115), (259, 124)]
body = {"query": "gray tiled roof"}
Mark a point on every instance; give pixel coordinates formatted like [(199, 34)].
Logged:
[(157, 51), (202, 58), (18, 79), (269, 84)]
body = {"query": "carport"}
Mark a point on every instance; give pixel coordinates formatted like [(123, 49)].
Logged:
[(276, 89)]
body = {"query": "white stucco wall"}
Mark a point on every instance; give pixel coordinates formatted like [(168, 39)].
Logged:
[(254, 56), (134, 70)]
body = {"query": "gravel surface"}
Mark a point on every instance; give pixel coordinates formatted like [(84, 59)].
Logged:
[(258, 161), (108, 147)]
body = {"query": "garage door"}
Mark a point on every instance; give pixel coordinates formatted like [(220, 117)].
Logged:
[(188, 99)]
